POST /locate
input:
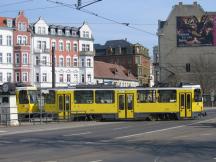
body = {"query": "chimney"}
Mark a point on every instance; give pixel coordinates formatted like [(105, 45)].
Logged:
[(195, 3), (21, 12)]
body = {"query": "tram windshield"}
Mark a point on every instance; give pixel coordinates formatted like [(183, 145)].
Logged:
[(33, 96), (197, 95), (23, 97)]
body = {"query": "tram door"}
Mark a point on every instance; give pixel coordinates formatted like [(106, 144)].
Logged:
[(64, 106), (125, 106), (185, 105)]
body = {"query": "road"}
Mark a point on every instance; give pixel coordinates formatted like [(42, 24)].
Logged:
[(128, 141)]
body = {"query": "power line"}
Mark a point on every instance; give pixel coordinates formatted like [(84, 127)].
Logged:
[(102, 17), (14, 3)]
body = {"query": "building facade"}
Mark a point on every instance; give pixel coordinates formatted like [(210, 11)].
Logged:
[(133, 57), (6, 50), (26, 52), (187, 46), (73, 49)]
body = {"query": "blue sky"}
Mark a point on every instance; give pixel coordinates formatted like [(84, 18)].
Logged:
[(142, 14)]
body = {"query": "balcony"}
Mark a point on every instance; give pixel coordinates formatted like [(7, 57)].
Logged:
[(87, 53), (37, 50)]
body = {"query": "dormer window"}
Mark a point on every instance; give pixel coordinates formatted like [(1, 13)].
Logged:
[(67, 32), (43, 30), (59, 32), (9, 23), (74, 33), (52, 31), (22, 26), (39, 30), (85, 34)]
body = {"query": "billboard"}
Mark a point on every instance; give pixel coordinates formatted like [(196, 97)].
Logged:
[(194, 31)]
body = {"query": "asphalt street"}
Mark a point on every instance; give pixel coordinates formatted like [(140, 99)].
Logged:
[(128, 141)]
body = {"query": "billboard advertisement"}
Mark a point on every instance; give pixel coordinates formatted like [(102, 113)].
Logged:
[(194, 31)]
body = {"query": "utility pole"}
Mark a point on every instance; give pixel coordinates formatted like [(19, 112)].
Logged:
[(53, 68)]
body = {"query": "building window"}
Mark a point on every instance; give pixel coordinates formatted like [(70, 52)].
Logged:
[(24, 77), (88, 62), (17, 58), (85, 34), (68, 78), (83, 78), (19, 40), (82, 63), (39, 30), (44, 77), (85, 47), (44, 60), (61, 78), (89, 78), (75, 47), (37, 59), (1, 40), (9, 61), (43, 45), (24, 41), (61, 61), (22, 26), (74, 33), (188, 68), (1, 58), (59, 32), (38, 44), (53, 44), (68, 46), (25, 58), (76, 78), (9, 40), (52, 31), (9, 79), (37, 79), (17, 77), (43, 30), (67, 33), (137, 60), (9, 23), (61, 46), (68, 61), (75, 62), (1, 77), (139, 71)]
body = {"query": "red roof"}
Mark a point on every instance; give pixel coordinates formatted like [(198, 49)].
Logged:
[(112, 71)]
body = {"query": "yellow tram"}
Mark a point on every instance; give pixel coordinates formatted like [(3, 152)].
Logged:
[(27, 101), (126, 103)]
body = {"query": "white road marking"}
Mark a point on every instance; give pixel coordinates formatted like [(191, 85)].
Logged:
[(139, 134), (96, 161), (120, 128), (3, 131), (77, 134), (162, 130), (6, 142), (214, 158)]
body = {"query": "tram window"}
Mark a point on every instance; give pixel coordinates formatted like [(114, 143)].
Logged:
[(33, 96), (50, 97), (23, 97), (197, 95), (167, 95), (121, 102), (83, 97), (105, 97), (130, 102), (188, 101), (145, 96)]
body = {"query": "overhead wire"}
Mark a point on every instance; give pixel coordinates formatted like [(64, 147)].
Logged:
[(102, 17), (15, 3)]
